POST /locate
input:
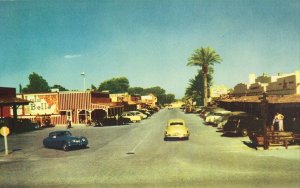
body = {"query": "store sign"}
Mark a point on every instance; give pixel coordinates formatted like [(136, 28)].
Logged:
[(41, 104)]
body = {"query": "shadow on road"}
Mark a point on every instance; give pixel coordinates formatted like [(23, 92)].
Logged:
[(229, 135), (250, 144), (10, 152)]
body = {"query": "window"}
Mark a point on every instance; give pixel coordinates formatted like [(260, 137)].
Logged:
[(176, 123)]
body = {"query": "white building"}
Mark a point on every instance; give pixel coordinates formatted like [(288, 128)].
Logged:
[(281, 84)]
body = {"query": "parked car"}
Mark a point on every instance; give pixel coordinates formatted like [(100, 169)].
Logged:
[(213, 116), (138, 113), (133, 118), (243, 124), (208, 110), (145, 111), (107, 121), (176, 128), (19, 125), (220, 122), (64, 140), (189, 109)]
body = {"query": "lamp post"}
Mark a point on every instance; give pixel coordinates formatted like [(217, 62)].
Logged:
[(83, 75)]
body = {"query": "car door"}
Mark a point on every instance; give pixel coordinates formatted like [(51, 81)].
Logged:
[(60, 140), (51, 140)]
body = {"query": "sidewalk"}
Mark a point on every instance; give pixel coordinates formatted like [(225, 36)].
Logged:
[(279, 147), (73, 125)]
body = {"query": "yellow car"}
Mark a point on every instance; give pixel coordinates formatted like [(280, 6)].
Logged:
[(176, 128)]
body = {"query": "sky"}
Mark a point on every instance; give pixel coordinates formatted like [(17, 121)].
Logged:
[(147, 41)]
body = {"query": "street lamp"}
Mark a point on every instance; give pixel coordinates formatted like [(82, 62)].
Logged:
[(83, 75)]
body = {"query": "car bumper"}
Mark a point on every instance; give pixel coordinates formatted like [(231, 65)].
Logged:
[(230, 132), (78, 144), (177, 136)]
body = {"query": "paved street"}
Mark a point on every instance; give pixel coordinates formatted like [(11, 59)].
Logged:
[(135, 155)]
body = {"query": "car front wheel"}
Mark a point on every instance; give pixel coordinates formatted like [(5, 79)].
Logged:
[(65, 147)]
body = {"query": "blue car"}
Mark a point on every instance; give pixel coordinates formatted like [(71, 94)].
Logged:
[(64, 140)]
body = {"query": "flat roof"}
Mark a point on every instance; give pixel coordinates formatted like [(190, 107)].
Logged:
[(274, 99)]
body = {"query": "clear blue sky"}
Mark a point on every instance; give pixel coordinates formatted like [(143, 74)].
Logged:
[(147, 41)]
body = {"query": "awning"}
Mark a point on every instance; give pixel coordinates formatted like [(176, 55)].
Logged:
[(9, 101), (105, 106)]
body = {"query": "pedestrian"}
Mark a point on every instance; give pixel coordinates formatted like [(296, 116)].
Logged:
[(278, 121), (69, 123)]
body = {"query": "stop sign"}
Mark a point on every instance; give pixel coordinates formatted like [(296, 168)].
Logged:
[(4, 131)]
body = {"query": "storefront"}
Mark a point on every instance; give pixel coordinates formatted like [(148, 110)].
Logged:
[(58, 107), (288, 105)]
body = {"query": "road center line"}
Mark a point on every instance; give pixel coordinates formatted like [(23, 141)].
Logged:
[(136, 146)]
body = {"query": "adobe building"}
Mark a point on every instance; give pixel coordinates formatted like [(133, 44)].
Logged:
[(283, 91), (149, 100), (134, 102), (130, 102)]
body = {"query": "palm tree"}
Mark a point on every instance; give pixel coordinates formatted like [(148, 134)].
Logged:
[(204, 58)]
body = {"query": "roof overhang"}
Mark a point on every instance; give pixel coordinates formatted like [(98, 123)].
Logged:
[(9, 101)]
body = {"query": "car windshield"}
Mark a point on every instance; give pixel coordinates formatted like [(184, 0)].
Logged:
[(176, 123), (66, 133)]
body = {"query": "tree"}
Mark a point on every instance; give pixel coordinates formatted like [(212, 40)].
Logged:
[(169, 98), (159, 92), (20, 88), (136, 91), (115, 85), (93, 87), (59, 87), (195, 89), (204, 58), (37, 84)]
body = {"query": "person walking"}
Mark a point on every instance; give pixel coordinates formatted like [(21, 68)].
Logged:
[(278, 121), (69, 123)]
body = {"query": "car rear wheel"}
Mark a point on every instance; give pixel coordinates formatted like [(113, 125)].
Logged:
[(244, 132), (65, 147)]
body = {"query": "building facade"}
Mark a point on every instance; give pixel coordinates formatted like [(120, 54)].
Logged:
[(281, 84), (283, 95), (79, 107)]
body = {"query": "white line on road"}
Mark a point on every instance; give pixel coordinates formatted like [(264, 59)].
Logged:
[(136, 146)]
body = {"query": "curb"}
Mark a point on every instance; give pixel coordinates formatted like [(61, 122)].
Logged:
[(291, 147)]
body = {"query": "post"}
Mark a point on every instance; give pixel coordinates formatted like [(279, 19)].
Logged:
[(4, 131), (5, 145), (264, 111)]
